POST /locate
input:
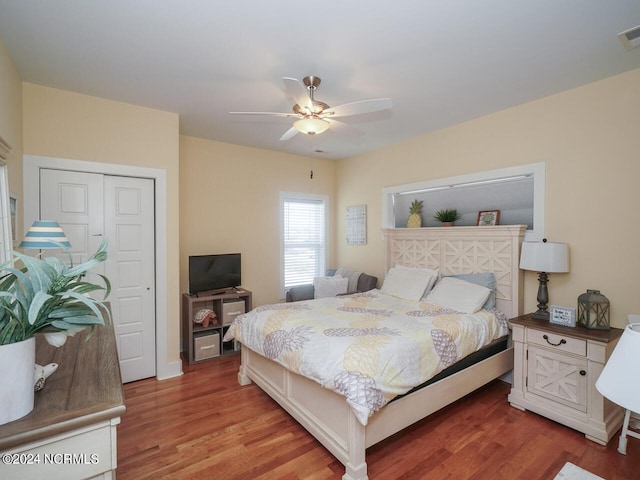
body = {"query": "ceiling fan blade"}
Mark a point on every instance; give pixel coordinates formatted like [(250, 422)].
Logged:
[(273, 114), (358, 108), (289, 134), (297, 92), (345, 129)]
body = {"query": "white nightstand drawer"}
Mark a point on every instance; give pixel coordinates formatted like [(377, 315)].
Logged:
[(557, 341)]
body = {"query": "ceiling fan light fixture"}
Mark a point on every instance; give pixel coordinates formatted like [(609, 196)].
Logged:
[(311, 125)]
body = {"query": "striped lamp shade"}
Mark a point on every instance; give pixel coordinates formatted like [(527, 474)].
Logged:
[(45, 234)]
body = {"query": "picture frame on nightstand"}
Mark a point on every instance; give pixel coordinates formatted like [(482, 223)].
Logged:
[(564, 316)]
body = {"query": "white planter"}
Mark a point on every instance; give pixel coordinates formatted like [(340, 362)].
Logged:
[(17, 362)]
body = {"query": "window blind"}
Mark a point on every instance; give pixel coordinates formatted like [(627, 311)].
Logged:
[(303, 239)]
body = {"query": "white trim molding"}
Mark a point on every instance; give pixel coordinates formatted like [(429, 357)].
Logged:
[(6, 234)]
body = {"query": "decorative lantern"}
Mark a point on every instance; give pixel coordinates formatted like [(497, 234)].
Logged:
[(593, 310)]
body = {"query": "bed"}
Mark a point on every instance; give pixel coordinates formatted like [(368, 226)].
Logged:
[(345, 430)]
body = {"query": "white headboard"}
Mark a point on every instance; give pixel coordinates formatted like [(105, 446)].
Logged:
[(455, 250)]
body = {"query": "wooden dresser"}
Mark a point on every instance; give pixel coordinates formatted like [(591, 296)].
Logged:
[(71, 432)]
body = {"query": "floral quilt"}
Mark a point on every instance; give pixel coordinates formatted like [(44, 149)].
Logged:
[(369, 347)]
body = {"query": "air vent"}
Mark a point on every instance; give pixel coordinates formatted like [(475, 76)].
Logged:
[(630, 38)]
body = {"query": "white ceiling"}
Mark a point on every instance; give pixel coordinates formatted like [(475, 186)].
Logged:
[(441, 62)]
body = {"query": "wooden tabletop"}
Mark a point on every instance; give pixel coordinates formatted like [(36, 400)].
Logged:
[(604, 336), (86, 388)]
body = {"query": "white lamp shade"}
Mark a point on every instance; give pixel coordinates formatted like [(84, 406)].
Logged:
[(311, 125), (546, 257), (45, 234), (619, 378)]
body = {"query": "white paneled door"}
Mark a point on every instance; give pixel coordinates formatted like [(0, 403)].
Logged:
[(89, 205), (75, 200)]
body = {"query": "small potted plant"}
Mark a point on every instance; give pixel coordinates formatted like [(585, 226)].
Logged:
[(43, 296), (447, 216)]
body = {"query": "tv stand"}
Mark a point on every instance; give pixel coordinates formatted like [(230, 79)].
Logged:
[(200, 343)]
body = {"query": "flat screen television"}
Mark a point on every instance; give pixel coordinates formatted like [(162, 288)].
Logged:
[(213, 273)]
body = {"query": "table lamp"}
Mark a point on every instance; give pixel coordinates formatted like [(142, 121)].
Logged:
[(618, 380), (45, 234), (544, 257)]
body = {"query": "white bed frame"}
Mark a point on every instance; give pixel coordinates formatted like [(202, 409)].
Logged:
[(328, 417)]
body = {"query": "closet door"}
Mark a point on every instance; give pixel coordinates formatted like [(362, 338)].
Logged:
[(89, 205), (129, 226), (75, 201)]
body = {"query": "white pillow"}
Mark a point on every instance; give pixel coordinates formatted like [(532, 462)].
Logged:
[(459, 295), (329, 286), (407, 282), (432, 276)]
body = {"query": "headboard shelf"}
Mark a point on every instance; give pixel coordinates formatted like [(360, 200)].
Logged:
[(455, 250)]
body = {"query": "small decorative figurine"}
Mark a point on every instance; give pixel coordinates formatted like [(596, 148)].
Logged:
[(40, 374), (204, 317)]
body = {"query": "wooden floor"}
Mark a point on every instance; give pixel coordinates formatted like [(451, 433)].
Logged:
[(203, 425)]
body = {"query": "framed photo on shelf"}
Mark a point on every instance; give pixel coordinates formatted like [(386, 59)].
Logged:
[(488, 218), (564, 316)]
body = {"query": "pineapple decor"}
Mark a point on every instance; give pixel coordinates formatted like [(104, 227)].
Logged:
[(415, 220)]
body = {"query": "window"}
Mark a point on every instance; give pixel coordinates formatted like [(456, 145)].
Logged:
[(518, 192), (303, 238), (6, 244)]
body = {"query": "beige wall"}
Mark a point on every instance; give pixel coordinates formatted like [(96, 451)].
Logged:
[(229, 202), (11, 124), (68, 125), (589, 139)]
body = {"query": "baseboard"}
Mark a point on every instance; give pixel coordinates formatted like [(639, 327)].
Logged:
[(173, 369)]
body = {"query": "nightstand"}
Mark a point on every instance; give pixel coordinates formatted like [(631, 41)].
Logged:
[(554, 374)]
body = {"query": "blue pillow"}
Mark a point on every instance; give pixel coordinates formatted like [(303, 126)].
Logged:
[(486, 279)]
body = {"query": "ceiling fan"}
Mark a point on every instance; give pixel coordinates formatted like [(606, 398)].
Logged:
[(313, 116)]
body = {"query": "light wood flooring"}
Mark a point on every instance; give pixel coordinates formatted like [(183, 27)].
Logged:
[(203, 425)]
